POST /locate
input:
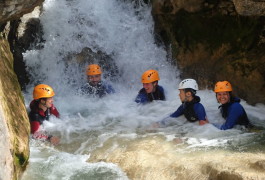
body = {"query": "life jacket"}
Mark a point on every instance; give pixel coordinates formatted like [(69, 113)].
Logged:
[(188, 111), (158, 94), (37, 114), (243, 119)]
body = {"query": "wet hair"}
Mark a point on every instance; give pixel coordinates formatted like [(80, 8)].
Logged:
[(232, 96), (192, 91), (155, 82), (38, 100)]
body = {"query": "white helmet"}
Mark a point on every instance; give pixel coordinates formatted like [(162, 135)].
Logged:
[(188, 83)]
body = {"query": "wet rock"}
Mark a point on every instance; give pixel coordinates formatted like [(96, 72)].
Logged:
[(14, 122), (258, 165), (155, 158), (216, 43), (14, 9), (250, 8), (25, 34), (87, 56), (172, 7)]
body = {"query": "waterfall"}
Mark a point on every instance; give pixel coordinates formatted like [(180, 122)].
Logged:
[(124, 32)]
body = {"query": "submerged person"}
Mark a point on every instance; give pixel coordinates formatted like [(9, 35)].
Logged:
[(191, 107), (151, 90), (41, 108), (231, 109), (95, 86)]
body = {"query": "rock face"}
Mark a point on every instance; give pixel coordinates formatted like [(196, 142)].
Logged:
[(87, 56), (14, 9), (24, 34), (216, 40), (250, 8), (154, 158), (14, 122)]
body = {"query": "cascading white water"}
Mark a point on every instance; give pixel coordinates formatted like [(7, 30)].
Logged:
[(125, 32)]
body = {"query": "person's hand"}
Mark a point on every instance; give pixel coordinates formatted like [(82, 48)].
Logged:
[(54, 140), (203, 122)]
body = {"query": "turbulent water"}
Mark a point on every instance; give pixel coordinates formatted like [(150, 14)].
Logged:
[(124, 31)]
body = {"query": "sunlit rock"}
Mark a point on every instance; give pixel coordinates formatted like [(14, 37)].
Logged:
[(155, 158), (14, 122), (14, 9)]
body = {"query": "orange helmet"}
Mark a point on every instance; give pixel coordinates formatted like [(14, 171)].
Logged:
[(42, 91), (150, 76), (222, 86), (93, 69)]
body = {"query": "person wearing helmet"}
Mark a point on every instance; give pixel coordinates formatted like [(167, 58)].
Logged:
[(151, 90), (95, 86), (41, 108), (231, 109), (191, 107)]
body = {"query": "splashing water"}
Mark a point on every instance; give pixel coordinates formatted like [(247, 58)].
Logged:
[(124, 31)]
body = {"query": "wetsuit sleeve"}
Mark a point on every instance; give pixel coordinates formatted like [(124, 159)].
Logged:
[(54, 111), (141, 98), (234, 113), (166, 120), (109, 89), (34, 126), (178, 112), (200, 111), (34, 122)]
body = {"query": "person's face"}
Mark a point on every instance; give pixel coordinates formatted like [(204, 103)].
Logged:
[(182, 95), (48, 103), (149, 87), (94, 79), (223, 97)]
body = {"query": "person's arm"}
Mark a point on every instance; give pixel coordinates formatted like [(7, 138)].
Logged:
[(164, 122), (178, 112), (55, 112), (201, 114), (35, 127), (41, 135), (234, 113), (141, 98), (109, 89), (35, 130)]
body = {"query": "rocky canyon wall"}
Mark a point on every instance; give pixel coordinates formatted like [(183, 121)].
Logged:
[(213, 40), (14, 122)]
